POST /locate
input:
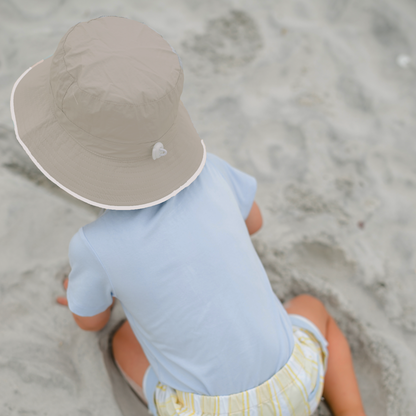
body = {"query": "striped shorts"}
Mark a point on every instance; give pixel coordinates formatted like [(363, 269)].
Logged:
[(295, 390)]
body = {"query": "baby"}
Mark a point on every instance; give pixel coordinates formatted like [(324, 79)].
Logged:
[(205, 334)]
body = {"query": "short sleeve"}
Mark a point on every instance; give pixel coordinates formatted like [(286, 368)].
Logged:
[(243, 185), (89, 289)]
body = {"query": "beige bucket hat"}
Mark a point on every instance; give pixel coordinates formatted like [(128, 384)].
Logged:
[(102, 117)]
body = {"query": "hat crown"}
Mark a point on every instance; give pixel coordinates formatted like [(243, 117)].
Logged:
[(115, 81)]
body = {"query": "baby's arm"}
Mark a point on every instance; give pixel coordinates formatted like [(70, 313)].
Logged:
[(254, 221), (88, 323), (93, 323)]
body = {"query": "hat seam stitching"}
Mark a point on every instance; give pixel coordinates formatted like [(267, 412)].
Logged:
[(112, 102), (96, 154), (66, 68), (126, 104), (100, 138), (63, 98)]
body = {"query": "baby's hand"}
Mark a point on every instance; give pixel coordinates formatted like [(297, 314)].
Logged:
[(62, 300)]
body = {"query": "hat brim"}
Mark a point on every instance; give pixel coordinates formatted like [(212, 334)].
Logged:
[(101, 181)]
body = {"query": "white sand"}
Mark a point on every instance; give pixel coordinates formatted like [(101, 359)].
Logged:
[(317, 100)]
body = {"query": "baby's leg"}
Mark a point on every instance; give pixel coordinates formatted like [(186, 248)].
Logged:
[(130, 358), (340, 387)]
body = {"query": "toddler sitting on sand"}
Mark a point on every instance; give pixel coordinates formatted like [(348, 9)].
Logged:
[(205, 334)]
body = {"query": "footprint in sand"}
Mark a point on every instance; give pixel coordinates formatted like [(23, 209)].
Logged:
[(228, 41)]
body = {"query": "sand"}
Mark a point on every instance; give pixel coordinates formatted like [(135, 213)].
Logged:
[(317, 101)]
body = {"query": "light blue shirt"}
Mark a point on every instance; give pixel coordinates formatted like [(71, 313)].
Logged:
[(191, 284)]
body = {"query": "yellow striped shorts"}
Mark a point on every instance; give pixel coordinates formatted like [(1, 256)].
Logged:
[(295, 390)]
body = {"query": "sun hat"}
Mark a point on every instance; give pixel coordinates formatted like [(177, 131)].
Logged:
[(102, 117)]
